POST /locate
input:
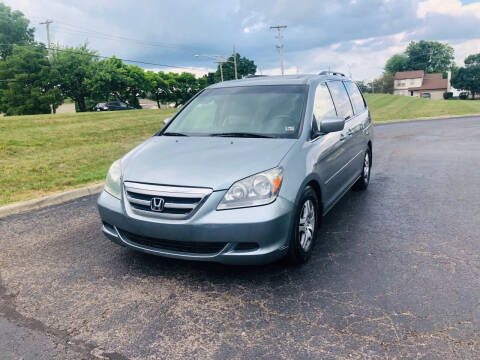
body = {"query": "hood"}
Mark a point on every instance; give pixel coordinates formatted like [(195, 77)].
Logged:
[(213, 162)]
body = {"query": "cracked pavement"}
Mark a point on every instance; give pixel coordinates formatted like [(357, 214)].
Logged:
[(395, 274)]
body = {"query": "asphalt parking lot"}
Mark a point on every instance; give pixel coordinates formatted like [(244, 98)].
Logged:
[(395, 274)]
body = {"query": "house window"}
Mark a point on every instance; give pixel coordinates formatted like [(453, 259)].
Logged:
[(412, 82)]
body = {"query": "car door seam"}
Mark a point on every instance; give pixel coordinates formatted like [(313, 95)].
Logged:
[(342, 168)]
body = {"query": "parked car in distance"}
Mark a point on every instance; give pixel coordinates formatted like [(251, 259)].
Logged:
[(112, 106), (243, 173)]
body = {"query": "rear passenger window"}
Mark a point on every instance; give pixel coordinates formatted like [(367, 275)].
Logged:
[(341, 99), (323, 106), (356, 97)]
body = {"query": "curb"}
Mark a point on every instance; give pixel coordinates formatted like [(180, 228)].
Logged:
[(55, 199), (392, 122)]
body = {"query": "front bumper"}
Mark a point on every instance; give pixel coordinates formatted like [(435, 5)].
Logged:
[(268, 226)]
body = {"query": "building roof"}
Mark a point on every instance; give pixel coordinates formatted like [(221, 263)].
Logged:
[(432, 84), (402, 75), (434, 76)]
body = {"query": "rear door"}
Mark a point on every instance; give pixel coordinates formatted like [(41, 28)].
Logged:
[(357, 124)]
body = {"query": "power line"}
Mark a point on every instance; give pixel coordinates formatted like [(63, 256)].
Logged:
[(109, 57), (71, 29)]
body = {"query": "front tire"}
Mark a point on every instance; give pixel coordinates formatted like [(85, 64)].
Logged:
[(364, 180), (305, 228)]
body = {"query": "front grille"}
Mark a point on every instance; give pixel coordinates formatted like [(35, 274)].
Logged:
[(171, 245), (178, 202)]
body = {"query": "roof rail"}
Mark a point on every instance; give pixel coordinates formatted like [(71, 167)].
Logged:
[(254, 76), (335, 73)]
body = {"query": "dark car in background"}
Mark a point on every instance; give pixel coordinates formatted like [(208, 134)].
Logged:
[(112, 106)]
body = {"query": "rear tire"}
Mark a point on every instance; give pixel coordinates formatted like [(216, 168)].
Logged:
[(305, 228), (364, 180)]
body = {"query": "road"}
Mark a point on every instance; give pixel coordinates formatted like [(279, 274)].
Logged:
[(395, 274)]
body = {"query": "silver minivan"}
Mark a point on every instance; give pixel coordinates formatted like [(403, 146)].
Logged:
[(243, 172)]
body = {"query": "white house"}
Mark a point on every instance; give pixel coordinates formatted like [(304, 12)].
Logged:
[(417, 83)]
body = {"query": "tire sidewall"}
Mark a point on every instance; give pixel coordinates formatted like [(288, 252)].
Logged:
[(296, 252), (367, 181)]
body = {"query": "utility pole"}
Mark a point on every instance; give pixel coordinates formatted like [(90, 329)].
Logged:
[(220, 61), (235, 62), (280, 45), (221, 69), (49, 43)]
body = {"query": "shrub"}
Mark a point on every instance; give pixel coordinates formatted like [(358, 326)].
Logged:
[(447, 95), (463, 96)]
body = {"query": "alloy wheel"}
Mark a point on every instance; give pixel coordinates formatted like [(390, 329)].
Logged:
[(306, 225), (366, 168)]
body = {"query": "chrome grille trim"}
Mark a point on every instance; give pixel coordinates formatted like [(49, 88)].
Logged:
[(180, 202)]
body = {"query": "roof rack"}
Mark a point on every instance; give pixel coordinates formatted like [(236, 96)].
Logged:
[(335, 73)]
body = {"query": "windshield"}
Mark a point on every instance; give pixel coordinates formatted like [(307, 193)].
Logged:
[(249, 111)]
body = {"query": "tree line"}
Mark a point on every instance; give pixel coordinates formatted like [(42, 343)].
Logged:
[(431, 57), (35, 79)]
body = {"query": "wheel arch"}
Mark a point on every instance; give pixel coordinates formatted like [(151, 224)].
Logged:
[(314, 183)]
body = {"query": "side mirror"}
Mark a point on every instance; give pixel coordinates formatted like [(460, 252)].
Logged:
[(333, 124), (167, 120)]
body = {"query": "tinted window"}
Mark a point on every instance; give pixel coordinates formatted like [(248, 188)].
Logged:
[(355, 96), (263, 110), (341, 99), (123, 105), (323, 105)]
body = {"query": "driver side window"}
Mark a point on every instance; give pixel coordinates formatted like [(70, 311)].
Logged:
[(323, 105)]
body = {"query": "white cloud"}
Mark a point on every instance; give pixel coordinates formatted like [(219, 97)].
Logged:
[(347, 35), (447, 7)]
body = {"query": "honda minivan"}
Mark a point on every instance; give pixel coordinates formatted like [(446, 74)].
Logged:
[(243, 173)]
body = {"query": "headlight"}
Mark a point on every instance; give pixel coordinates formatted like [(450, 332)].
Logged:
[(259, 189), (112, 184)]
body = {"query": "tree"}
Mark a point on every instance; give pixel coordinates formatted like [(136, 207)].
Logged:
[(183, 86), (398, 62), (13, 30), (71, 67), (111, 78), (245, 67), (209, 78), (472, 60), (364, 88), (430, 56), (468, 77), (159, 86), (26, 86), (383, 84)]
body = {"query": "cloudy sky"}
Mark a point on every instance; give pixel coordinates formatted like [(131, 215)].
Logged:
[(354, 36)]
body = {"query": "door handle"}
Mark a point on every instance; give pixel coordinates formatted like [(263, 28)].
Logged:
[(349, 132), (342, 137)]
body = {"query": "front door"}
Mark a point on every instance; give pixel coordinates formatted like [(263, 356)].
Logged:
[(341, 179)]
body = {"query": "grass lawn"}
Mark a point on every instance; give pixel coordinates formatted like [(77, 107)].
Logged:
[(43, 154), (386, 107)]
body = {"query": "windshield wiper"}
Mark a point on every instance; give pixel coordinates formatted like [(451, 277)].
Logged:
[(241, 134), (173, 134)]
